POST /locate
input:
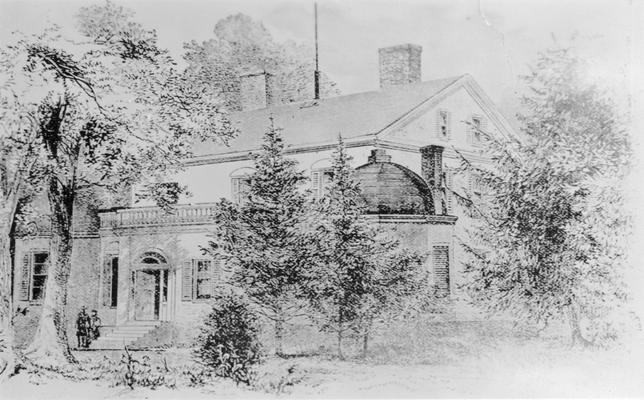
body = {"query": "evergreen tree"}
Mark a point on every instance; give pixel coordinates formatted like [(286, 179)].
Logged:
[(262, 238), (550, 224), (358, 276)]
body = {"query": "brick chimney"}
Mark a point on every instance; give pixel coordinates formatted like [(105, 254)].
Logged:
[(432, 171), (379, 155), (255, 90), (399, 65)]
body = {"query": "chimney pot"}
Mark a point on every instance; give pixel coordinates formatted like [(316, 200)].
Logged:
[(399, 65)]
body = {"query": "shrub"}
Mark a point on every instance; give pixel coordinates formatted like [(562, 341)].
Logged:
[(141, 372), (228, 343), (278, 378)]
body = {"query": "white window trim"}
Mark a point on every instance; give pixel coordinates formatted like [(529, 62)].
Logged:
[(32, 269), (215, 276), (471, 130), (317, 181), (439, 132)]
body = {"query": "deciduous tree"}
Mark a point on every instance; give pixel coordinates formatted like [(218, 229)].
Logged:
[(109, 110), (550, 225), (242, 45)]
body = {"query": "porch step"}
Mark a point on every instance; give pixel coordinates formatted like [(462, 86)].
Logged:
[(117, 337)]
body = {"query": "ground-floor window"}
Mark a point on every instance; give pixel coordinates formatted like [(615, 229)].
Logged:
[(201, 278), (35, 268), (110, 281)]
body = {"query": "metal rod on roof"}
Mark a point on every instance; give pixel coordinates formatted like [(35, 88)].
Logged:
[(316, 74)]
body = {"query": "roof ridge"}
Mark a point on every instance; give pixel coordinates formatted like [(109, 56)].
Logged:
[(308, 103)]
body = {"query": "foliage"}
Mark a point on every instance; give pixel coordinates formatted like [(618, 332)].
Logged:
[(261, 239), (358, 276), (278, 379), (242, 45), (140, 372), (550, 226), (100, 113), (228, 343)]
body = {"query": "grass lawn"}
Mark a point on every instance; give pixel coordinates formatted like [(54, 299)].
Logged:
[(429, 359)]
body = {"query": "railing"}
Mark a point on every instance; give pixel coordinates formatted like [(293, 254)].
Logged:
[(153, 216)]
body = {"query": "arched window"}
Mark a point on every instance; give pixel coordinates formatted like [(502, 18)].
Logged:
[(152, 257), (240, 184)]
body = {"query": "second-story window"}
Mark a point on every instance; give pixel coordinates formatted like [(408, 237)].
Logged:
[(443, 125), (320, 178), (240, 189), (476, 130)]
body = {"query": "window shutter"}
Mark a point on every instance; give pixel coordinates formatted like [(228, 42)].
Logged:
[(25, 277), (441, 269), (235, 190), (187, 281), (449, 178), (107, 281), (315, 184), (217, 272)]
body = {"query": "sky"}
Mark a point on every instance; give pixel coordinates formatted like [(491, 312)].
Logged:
[(493, 40)]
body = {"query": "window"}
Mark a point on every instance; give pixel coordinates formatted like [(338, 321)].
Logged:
[(110, 280), (240, 189), (204, 279), (319, 180), (476, 184), (39, 275), (476, 128), (201, 278), (443, 124)]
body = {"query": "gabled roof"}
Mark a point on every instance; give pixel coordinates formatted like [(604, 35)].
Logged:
[(355, 115)]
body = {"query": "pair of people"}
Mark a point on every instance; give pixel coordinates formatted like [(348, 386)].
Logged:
[(87, 327)]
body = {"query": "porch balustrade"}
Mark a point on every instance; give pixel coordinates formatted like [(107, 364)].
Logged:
[(197, 214)]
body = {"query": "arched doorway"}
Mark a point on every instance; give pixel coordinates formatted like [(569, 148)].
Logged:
[(150, 288)]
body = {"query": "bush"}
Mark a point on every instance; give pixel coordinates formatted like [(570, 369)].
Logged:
[(278, 378), (228, 343), (141, 372)]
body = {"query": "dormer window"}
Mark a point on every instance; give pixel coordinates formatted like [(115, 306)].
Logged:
[(443, 124)]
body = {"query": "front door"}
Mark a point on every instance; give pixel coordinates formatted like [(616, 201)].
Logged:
[(147, 293)]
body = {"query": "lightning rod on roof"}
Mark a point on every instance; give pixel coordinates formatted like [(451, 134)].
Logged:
[(316, 74)]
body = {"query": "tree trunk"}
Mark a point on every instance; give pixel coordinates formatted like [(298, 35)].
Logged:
[(50, 347), (7, 225), (7, 354), (279, 336), (365, 344), (575, 329), (339, 344)]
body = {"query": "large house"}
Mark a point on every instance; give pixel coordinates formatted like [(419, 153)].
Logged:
[(139, 266)]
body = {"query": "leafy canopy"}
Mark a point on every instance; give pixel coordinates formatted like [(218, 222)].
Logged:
[(549, 225)]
